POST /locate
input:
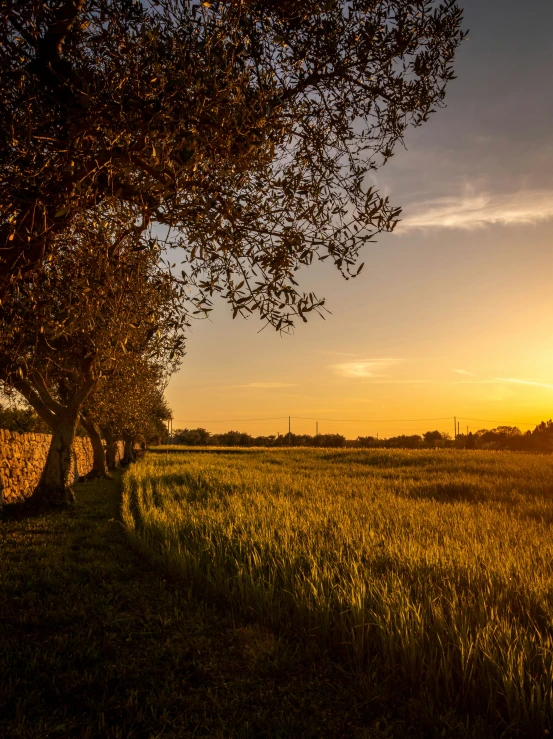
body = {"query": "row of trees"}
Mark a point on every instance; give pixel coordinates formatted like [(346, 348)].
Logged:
[(201, 437), (89, 338), (242, 132), (511, 438), (503, 437), (24, 420)]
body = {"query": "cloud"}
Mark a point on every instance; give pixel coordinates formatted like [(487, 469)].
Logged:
[(336, 354), (267, 385), (398, 382), (364, 368), (475, 382), (464, 372), (472, 210), (534, 383)]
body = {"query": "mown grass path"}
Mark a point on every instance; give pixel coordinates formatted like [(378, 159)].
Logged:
[(97, 642)]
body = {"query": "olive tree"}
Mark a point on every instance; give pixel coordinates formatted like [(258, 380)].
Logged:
[(245, 128), (127, 404)]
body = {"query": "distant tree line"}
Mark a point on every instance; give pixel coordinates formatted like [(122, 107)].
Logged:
[(511, 438), (501, 438), (202, 437), (150, 429), (508, 438)]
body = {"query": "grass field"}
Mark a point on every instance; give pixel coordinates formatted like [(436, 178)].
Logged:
[(430, 571)]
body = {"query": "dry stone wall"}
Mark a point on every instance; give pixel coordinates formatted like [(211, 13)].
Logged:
[(22, 458)]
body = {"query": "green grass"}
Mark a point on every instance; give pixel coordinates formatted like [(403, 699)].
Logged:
[(97, 641), (429, 571)]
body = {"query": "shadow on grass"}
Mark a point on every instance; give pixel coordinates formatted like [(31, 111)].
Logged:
[(95, 641), (451, 492), (15, 512), (21, 511), (196, 450)]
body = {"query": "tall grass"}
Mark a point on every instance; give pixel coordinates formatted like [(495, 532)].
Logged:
[(432, 568)]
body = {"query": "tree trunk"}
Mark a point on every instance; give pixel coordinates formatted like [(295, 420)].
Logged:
[(128, 453), (62, 417), (53, 487), (111, 448), (99, 464)]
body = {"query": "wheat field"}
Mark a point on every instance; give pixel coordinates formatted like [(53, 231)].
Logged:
[(431, 569)]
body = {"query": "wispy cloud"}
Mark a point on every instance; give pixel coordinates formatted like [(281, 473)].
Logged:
[(267, 385), (475, 382), (335, 354), (516, 381), (365, 368), (472, 210), (463, 372), (397, 382)]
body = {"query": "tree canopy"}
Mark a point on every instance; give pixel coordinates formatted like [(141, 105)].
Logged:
[(246, 128), (128, 404)]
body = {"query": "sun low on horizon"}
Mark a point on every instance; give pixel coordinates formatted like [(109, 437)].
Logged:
[(452, 316)]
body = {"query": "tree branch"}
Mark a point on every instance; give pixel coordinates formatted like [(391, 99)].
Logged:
[(37, 381), (28, 392), (52, 42)]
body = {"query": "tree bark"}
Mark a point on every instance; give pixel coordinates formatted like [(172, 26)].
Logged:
[(53, 488), (111, 448), (99, 464)]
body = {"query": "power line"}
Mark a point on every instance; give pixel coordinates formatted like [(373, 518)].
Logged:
[(355, 420), (370, 420), (303, 418), (504, 423), (229, 420)]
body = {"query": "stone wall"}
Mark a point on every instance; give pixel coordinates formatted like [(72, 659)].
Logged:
[(22, 458)]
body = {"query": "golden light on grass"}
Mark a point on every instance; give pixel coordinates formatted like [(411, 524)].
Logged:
[(430, 568)]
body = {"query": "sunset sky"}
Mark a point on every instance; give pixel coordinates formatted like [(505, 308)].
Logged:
[(453, 313)]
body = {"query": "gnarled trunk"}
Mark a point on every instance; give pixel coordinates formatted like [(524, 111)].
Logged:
[(62, 415), (111, 448), (53, 487), (99, 464)]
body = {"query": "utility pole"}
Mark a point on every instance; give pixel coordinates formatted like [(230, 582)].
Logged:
[(317, 427), (454, 427), (289, 433), (458, 425)]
